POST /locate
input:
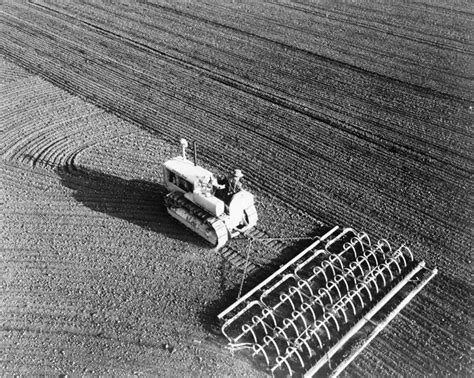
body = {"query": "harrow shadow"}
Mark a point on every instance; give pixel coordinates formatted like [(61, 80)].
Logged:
[(230, 278), (231, 285), (137, 201)]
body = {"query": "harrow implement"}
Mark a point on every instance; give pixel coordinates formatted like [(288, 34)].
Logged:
[(318, 311)]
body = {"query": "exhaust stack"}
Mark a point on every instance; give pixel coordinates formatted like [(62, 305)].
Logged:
[(184, 145)]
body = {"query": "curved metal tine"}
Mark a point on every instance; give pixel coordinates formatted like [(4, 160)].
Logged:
[(290, 351), (372, 253), (346, 247), (339, 308), (266, 313), (333, 284), (367, 262), (256, 320), (367, 289), (235, 317), (387, 266), (280, 360), (379, 248), (271, 340), (272, 288), (352, 247), (314, 332), (360, 237), (304, 341), (379, 272), (358, 262), (246, 329), (308, 260), (321, 323), (296, 290), (326, 292), (281, 332), (349, 272), (357, 294), (339, 260), (317, 270), (408, 250), (348, 300), (285, 298), (394, 261), (340, 278), (298, 314), (341, 234), (306, 307), (317, 299), (384, 242), (287, 322), (257, 348), (400, 256), (326, 264), (372, 279), (329, 314), (304, 283), (352, 267)]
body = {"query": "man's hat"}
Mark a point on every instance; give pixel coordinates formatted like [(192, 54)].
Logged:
[(238, 173)]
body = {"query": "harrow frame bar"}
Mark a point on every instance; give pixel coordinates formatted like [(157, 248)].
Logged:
[(321, 299)]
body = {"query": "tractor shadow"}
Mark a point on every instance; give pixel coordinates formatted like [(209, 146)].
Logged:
[(137, 201)]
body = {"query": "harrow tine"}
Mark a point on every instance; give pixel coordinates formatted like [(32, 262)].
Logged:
[(235, 317), (257, 348), (310, 307), (246, 328), (338, 237), (268, 340), (315, 255), (280, 360)]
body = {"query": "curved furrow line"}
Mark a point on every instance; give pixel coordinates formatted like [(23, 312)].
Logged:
[(53, 106), (14, 173), (56, 143), (54, 139)]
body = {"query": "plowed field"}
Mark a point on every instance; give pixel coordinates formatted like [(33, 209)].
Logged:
[(357, 113)]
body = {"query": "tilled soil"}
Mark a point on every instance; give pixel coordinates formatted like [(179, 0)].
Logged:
[(337, 115)]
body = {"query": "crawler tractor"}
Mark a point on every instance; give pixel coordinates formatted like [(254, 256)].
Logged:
[(208, 207)]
